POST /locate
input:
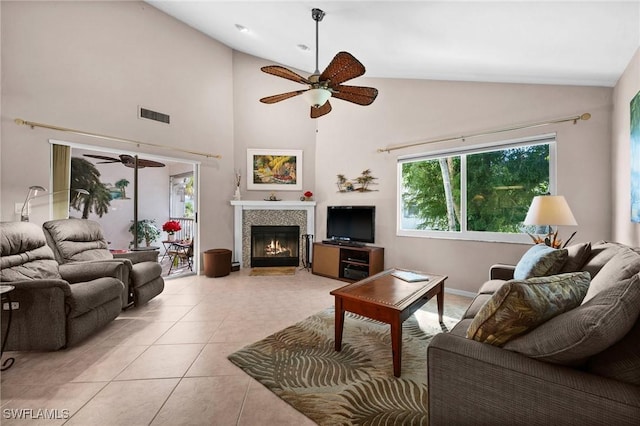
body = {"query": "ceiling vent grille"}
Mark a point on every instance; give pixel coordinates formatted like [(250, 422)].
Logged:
[(154, 115)]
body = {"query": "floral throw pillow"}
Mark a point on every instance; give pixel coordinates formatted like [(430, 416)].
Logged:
[(540, 261), (521, 305)]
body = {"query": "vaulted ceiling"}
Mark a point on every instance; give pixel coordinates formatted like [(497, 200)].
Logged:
[(547, 42)]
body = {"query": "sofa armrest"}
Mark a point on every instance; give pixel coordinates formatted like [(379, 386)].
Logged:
[(39, 318), (138, 256), (500, 271), (35, 285), (76, 272), (476, 383)]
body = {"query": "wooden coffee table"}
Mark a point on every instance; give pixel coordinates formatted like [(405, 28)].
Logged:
[(388, 299)]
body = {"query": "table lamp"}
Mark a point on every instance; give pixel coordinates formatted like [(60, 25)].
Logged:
[(548, 210)]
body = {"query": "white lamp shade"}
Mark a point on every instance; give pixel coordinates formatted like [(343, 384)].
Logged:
[(549, 210), (317, 97)]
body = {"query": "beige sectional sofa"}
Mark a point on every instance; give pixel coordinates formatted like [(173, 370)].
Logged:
[(579, 364)]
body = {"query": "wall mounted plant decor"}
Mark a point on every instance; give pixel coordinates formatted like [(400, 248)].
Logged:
[(359, 184)]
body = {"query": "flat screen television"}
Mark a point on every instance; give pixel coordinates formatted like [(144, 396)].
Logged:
[(351, 224)]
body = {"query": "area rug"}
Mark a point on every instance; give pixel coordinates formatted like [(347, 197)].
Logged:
[(355, 386), (270, 271)]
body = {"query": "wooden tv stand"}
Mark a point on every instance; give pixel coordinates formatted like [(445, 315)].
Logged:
[(346, 263)]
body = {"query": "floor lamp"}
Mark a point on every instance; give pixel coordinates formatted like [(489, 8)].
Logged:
[(33, 193)]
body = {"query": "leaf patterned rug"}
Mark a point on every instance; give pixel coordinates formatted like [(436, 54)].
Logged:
[(355, 386)]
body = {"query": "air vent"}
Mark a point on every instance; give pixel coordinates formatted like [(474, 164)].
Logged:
[(154, 115)]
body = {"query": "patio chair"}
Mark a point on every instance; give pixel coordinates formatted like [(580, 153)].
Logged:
[(181, 252)]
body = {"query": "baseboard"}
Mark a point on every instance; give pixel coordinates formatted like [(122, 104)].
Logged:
[(460, 292)]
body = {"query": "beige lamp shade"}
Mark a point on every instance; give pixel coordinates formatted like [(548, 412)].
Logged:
[(549, 210)]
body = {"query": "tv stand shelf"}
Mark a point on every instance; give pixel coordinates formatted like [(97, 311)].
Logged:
[(346, 263)]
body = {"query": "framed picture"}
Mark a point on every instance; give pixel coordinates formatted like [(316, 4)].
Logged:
[(635, 158), (274, 169)]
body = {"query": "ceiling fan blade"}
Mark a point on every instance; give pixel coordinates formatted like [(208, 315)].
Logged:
[(149, 163), (343, 67), (321, 110), (102, 157), (283, 72), (356, 94), (281, 97), (130, 161)]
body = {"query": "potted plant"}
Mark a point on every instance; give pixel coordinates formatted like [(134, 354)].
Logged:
[(147, 231), (171, 227)]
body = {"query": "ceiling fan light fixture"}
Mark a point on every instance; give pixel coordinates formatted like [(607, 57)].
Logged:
[(317, 97)]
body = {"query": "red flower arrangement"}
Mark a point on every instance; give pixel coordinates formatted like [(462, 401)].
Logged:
[(171, 226), (308, 194)]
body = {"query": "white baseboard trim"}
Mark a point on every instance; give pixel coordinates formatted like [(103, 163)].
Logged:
[(460, 292)]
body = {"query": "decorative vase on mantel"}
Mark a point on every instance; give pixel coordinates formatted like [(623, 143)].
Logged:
[(236, 195)]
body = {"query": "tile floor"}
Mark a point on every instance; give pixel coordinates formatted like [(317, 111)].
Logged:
[(166, 362)]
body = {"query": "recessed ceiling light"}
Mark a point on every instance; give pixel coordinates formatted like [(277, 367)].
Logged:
[(303, 47), (242, 29)]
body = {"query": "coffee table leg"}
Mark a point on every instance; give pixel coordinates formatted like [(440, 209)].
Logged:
[(440, 298), (396, 345), (339, 323)]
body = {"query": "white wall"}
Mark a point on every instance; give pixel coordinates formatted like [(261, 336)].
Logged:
[(87, 66), (627, 87), (283, 125), (414, 110)]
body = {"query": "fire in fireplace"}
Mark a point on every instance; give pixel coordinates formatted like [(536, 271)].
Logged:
[(275, 246)]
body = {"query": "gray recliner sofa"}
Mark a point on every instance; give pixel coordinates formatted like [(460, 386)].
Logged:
[(82, 240), (57, 305)]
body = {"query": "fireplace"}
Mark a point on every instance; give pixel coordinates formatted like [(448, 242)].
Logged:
[(275, 246)]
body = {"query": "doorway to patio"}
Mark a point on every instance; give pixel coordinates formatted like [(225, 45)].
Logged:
[(163, 193)]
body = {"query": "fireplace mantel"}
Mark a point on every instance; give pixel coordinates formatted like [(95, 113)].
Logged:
[(241, 205)]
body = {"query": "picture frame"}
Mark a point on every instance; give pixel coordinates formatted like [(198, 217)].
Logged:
[(274, 169)]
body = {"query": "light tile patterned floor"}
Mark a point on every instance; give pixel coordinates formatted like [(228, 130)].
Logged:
[(165, 363)]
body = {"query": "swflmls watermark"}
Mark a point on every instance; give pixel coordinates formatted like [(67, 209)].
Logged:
[(35, 413)]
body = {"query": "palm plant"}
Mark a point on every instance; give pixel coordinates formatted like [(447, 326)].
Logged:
[(121, 185), (85, 175)]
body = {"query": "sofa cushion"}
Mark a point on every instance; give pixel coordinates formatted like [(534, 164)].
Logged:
[(620, 361), (623, 265), (521, 305), (576, 335), (75, 240), (577, 255), (539, 261), (24, 254), (601, 253)]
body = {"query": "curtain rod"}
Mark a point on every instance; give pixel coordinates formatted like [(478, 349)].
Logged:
[(32, 124), (575, 119)]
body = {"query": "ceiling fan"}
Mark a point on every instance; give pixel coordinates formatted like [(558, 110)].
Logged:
[(126, 160), (323, 86)]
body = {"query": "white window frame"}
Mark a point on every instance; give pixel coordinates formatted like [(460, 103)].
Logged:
[(464, 234)]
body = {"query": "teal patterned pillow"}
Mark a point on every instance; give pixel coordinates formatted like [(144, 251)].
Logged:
[(540, 261), (519, 306)]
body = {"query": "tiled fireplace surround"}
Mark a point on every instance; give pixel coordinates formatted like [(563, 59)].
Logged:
[(274, 213)]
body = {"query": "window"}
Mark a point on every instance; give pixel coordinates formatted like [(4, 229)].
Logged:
[(182, 195), (480, 193)]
